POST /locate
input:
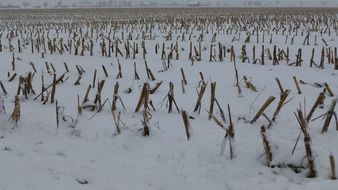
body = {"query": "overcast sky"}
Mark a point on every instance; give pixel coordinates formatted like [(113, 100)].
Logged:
[(282, 2)]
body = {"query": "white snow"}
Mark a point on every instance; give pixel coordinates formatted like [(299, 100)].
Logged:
[(36, 155)]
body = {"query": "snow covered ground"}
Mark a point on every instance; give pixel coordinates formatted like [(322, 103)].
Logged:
[(36, 155)]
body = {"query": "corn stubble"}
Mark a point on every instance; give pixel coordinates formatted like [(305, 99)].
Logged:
[(129, 47)]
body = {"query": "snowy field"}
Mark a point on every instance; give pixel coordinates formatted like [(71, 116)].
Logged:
[(53, 136)]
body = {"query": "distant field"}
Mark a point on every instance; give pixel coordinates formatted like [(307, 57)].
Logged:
[(173, 11)]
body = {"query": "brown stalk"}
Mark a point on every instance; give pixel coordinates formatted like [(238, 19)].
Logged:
[(280, 86), (297, 85), (105, 71), (157, 86), (57, 114), (266, 145), (116, 97), (328, 89), (66, 67), (333, 167), (307, 142), (77, 82), (33, 66), (249, 84), (45, 89), (13, 63), (15, 116), (53, 89), (117, 124), (281, 102), (143, 97), (12, 77), (231, 135), (319, 101), (53, 68), (183, 88), (79, 107), (212, 98), (263, 108), (119, 75), (85, 99), (199, 98), (149, 73), (183, 77), (136, 77), (99, 92), (3, 88), (186, 122), (145, 123), (329, 116), (94, 78)]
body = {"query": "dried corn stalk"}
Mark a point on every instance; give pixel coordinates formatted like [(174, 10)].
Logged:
[(199, 98), (116, 97), (3, 88), (77, 82), (281, 103), (98, 99), (60, 79), (212, 98), (329, 116), (136, 77), (262, 109), (307, 142), (12, 77), (171, 98), (319, 101), (2, 105), (15, 116), (183, 77), (297, 85), (231, 135), (79, 107), (266, 145), (157, 86), (119, 75), (328, 89), (249, 84), (279, 85), (57, 111), (116, 121), (333, 167), (85, 99), (186, 122), (145, 123), (143, 98)]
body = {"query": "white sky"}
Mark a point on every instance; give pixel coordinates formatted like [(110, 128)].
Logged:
[(282, 2)]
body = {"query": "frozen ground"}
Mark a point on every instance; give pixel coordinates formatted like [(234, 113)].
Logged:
[(36, 155)]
